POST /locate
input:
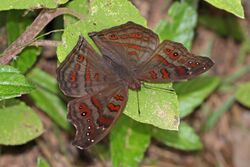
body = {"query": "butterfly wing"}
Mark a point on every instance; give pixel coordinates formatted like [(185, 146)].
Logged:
[(171, 61), (94, 116), (82, 72), (129, 43)]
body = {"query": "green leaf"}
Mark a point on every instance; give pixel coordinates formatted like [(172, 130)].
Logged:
[(18, 124), (41, 162), (193, 92), (129, 141), (26, 59), (232, 6), (227, 26), (243, 94), (180, 27), (2, 22), (45, 97), (158, 107), (14, 29), (214, 117), (51, 105), (80, 6), (30, 4), (185, 139), (12, 83), (50, 83)]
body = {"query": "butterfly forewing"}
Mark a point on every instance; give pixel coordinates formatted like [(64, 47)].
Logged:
[(129, 43), (171, 61), (93, 116), (82, 72)]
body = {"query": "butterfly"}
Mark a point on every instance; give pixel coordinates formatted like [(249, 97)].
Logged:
[(130, 55)]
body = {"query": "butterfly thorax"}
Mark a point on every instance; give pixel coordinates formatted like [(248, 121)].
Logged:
[(125, 74)]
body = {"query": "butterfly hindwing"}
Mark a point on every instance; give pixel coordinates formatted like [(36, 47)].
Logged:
[(171, 61), (82, 72), (129, 43), (93, 116)]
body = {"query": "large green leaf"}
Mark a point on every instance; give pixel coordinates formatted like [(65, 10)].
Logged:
[(185, 139), (12, 83), (105, 14), (14, 29), (129, 141), (158, 106), (18, 124), (192, 93), (243, 94), (232, 6), (30, 4), (180, 27)]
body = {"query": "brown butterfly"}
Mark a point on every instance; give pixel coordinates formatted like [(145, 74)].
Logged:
[(131, 54)]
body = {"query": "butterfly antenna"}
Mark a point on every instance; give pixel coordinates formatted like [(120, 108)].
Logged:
[(170, 90), (138, 103)]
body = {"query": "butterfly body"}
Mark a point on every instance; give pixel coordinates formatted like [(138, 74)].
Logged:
[(130, 54), (127, 76)]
